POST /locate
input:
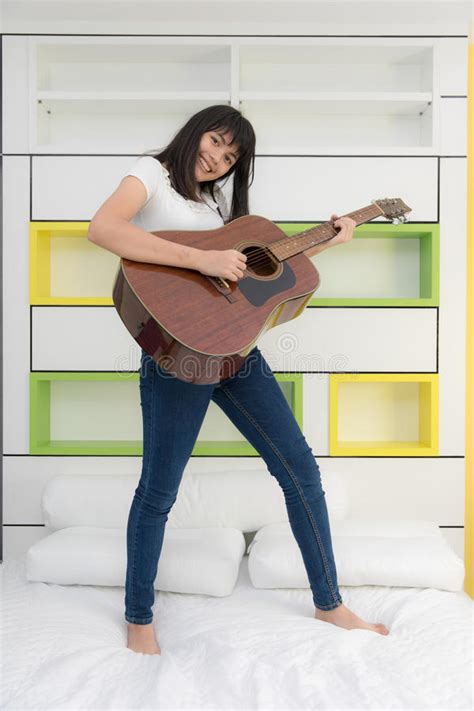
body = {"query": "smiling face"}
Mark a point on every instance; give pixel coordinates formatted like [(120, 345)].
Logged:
[(215, 153)]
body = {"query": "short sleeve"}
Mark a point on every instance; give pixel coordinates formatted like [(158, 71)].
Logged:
[(150, 171)]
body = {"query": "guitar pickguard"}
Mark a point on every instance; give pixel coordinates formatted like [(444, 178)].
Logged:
[(258, 291)]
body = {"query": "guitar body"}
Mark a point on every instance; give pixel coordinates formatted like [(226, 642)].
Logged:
[(199, 328)]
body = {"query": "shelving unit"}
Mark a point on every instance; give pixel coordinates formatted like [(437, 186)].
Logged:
[(383, 414), (118, 93), (303, 95), (96, 413), (385, 114), (66, 268), (383, 265), (317, 98)]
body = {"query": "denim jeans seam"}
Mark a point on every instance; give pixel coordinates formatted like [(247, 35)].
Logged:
[(134, 621), (295, 481), (150, 438)]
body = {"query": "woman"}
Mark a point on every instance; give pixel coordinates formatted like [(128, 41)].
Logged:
[(177, 189)]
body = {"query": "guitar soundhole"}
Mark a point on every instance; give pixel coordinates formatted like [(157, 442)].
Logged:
[(260, 262)]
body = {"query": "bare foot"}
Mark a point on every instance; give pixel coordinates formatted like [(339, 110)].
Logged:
[(343, 617), (141, 638)]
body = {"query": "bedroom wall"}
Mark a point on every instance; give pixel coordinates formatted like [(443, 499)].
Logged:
[(68, 186)]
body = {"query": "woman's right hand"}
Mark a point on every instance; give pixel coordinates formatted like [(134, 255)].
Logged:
[(224, 263)]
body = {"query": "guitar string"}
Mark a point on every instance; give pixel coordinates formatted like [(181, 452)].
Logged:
[(261, 259), (264, 257)]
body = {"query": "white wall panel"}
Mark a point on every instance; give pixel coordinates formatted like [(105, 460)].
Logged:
[(311, 189), (452, 310), (15, 95), (16, 314), (444, 17), (285, 188), (406, 487), (355, 339), (74, 187), (316, 412), (377, 488), (92, 338), (453, 127), (453, 66), (455, 538), (33, 473), (320, 339)]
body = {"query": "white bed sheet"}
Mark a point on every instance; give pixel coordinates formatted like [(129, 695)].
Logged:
[(64, 647)]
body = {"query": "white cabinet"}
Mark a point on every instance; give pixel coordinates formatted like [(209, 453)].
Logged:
[(303, 95)]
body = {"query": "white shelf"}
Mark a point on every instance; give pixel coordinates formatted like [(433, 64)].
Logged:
[(132, 66), (123, 96), (344, 66), (335, 96), (318, 95), (112, 125), (316, 127)]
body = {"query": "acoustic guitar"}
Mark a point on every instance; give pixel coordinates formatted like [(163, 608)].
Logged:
[(201, 328)]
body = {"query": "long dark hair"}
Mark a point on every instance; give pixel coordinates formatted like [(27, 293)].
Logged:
[(180, 156)]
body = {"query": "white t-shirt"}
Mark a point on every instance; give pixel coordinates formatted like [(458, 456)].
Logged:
[(165, 208)]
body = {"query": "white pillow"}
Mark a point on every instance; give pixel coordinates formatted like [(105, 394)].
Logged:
[(205, 499), (192, 560), (393, 553)]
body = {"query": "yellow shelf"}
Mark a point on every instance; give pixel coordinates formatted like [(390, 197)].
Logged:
[(66, 268), (383, 414)]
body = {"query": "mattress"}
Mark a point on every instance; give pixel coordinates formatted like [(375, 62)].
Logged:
[(65, 648)]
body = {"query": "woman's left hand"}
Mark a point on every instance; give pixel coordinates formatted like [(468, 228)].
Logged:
[(346, 227)]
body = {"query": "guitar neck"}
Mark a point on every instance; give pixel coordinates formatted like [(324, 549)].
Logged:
[(289, 246)]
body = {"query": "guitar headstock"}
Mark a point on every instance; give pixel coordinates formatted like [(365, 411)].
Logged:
[(393, 209)]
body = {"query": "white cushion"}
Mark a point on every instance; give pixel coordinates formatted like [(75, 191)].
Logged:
[(245, 499), (392, 553), (203, 542), (194, 560)]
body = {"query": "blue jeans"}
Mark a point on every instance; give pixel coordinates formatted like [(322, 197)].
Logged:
[(173, 412)]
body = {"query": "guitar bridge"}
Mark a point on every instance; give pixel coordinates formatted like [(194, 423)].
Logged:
[(222, 287)]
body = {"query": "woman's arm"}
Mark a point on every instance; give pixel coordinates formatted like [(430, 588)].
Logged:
[(131, 242), (346, 224), (111, 229)]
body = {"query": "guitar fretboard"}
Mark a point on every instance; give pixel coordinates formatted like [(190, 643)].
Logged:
[(289, 246)]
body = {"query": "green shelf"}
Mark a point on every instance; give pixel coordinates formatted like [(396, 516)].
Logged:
[(381, 257), (46, 399)]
